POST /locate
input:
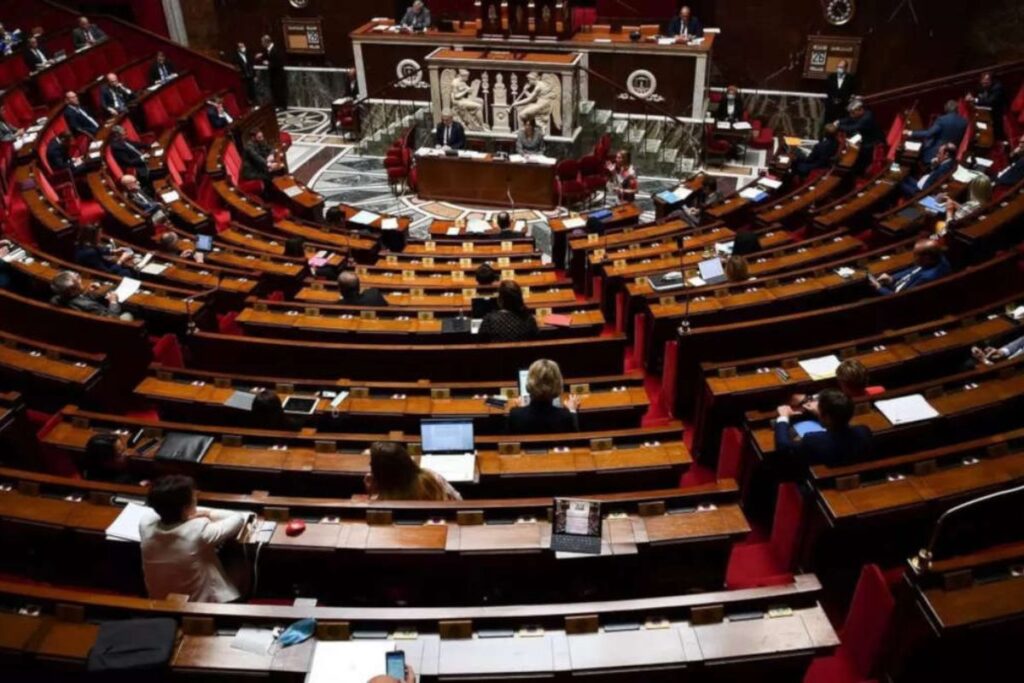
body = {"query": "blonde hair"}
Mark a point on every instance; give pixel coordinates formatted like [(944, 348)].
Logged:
[(980, 189), (544, 380)]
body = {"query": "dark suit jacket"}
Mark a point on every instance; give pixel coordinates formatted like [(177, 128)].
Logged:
[(31, 60), (832, 448), (417, 22), (127, 155), (912, 186), (96, 306), (216, 120), (1012, 174), (78, 121), (541, 417), (245, 65), (722, 112), (947, 128), (456, 139), (58, 159), (839, 97), (367, 297), (275, 61), (865, 126), (89, 256), (822, 155), (154, 71), (109, 96), (994, 98), (694, 27), (916, 276), (144, 203), (254, 161), (79, 40)]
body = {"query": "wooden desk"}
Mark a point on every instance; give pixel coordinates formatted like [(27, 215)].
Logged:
[(454, 299), (487, 181)]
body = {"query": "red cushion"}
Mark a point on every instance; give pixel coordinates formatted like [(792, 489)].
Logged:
[(167, 352), (752, 566)]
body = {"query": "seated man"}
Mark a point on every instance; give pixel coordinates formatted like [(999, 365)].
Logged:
[(503, 221), (169, 243), (822, 155), (686, 25), (78, 120), (416, 18), (929, 264), (161, 70), (69, 291), (59, 154), (943, 163), (179, 543), (259, 161), (450, 132), (115, 95), (130, 158), (730, 108), (348, 287), (143, 202), (861, 122), (1014, 171), (35, 57), (86, 34), (947, 129), (990, 354), (840, 444), (217, 115)]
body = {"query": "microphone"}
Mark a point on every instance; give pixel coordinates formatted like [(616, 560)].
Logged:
[(189, 300)]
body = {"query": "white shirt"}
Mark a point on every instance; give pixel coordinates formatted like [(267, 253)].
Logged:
[(839, 79), (182, 558)]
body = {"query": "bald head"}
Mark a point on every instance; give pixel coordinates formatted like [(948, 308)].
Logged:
[(129, 183), (927, 253), (348, 283)]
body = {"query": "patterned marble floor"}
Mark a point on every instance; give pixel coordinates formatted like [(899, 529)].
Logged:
[(338, 172)]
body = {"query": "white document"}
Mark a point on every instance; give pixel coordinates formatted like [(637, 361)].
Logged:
[(784, 159), (452, 232), (983, 162), (364, 218), (855, 140), (126, 526), (752, 193), (171, 196), (348, 661), (520, 226), (154, 268), (452, 467), (682, 193), (723, 125), (906, 409), (981, 125), (573, 223), (517, 158), (602, 40), (389, 224), (666, 41), (255, 640), (476, 226), (695, 281), (293, 191), (742, 125), (963, 175), (912, 145), (127, 288), (770, 183), (820, 368)]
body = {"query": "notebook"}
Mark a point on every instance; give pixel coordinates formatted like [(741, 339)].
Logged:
[(577, 526), (184, 447)]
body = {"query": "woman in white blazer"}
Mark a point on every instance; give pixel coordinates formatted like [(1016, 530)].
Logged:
[(180, 543)]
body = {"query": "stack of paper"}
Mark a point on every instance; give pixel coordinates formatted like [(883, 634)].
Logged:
[(293, 190), (912, 146), (963, 175), (348, 661), (820, 368), (477, 226), (452, 467), (169, 197), (906, 409), (364, 218), (754, 194), (389, 224), (573, 223), (127, 288), (742, 125), (452, 231), (126, 526)]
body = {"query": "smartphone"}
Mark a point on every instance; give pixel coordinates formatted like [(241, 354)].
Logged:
[(395, 664)]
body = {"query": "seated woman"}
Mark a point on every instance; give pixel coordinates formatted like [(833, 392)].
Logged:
[(513, 321), (90, 253), (979, 193), (623, 176), (529, 139), (180, 542), (536, 413), (737, 269), (394, 475), (105, 459)]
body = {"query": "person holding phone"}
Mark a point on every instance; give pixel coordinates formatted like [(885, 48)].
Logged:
[(397, 670)]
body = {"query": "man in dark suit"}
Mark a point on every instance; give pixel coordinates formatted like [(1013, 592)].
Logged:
[(161, 70), (35, 57), (9, 133), (273, 57), (943, 163), (258, 159), (1014, 172), (948, 128), (136, 195), (929, 265), (839, 88), (840, 444), (86, 34), (348, 287), (822, 155), (58, 154), (449, 132), (129, 157), (217, 115), (247, 71), (686, 25), (416, 18), (991, 96), (861, 122), (115, 95), (78, 120), (730, 107)]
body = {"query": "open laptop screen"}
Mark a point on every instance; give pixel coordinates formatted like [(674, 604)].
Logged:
[(447, 436)]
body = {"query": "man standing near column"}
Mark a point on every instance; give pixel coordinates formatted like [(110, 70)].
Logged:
[(273, 57)]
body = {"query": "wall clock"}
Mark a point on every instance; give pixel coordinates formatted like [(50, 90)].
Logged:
[(298, 4), (838, 12)]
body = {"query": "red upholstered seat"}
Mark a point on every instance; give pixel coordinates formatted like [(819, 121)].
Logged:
[(155, 114), (49, 87), (730, 461), (201, 126), (172, 100), (863, 633), (167, 352), (189, 91), (568, 186), (770, 563), (593, 175)]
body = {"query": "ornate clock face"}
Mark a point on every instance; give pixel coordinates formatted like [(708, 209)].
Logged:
[(839, 12), (298, 4)]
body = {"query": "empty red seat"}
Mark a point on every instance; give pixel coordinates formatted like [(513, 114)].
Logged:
[(155, 114), (172, 100), (189, 91), (568, 186), (770, 563)]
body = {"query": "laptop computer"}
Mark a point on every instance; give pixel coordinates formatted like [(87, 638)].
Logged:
[(711, 271), (446, 437), (577, 526)]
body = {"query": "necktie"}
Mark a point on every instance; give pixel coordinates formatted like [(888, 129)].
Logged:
[(90, 119), (39, 55), (447, 129), (163, 72)]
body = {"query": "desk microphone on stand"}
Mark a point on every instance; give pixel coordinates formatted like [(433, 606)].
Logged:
[(190, 319)]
